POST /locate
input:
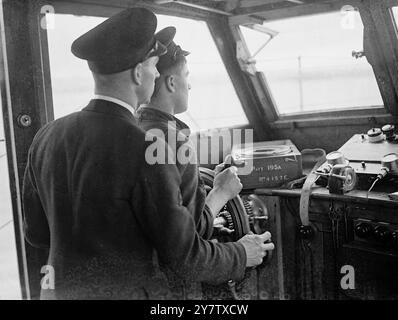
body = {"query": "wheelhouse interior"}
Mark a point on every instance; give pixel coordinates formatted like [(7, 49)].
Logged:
[(315, 72)]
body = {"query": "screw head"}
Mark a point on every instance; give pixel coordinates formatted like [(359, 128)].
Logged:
[(24, 120), (306, 232)]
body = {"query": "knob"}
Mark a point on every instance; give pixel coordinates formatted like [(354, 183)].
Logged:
[(363, 230), (306, 232), (394, 239), (382, 234)]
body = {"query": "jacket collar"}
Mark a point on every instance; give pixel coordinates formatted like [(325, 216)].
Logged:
[(111, 108), (151, 114)]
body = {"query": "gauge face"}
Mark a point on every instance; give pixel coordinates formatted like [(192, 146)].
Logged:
[(388, 158), (334, 155), (261, 152)]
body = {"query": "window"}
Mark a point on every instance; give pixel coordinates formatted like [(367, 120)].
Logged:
[(309, 63), (71, 80), (395, 14), (9, 276), (213, 101)]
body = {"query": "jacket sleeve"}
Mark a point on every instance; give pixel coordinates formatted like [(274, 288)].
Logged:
[(194, 192), (172, 230), (35, 223), (205, 224)]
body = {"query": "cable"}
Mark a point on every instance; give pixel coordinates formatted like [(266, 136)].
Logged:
[(383, 172), (373, 184), (4, 225), (2, 155)]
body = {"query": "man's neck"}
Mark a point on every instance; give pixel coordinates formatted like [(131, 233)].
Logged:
[(128, 98), (162, 105)]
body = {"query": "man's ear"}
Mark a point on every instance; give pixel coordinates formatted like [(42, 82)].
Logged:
[(170, 83), (136, 74)]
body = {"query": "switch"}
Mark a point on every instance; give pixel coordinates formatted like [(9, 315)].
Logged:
[(382, 234), (394, 239), (363, 230)]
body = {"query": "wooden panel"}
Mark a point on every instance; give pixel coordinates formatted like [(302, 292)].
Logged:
[(271, 275), (107, 8), (312, 269), (269, 6), (303, 10), (379, 50), (23, 94), (290, 255)]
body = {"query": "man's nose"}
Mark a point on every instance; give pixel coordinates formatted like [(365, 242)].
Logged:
[(157, 74), (189, 86)]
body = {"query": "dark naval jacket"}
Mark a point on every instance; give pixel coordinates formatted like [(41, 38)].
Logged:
[(193, 191), (93, 198)]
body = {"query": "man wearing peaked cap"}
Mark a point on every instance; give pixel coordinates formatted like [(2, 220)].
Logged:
[(91, 196)]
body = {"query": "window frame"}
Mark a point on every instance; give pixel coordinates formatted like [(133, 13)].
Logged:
[(97, 8), (369, 10)]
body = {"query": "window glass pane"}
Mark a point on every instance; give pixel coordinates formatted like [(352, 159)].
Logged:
[(309, 64), (395, 14), (9, 277), (213, 101), (71, 80)]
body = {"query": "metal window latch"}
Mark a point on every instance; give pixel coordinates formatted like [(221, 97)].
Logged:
[(358, 54), (247, 60)]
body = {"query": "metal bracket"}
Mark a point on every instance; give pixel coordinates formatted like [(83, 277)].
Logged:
[(245, 63), (358, 54), (242, 20), (271, 33)]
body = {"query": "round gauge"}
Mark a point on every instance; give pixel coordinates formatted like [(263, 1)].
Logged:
[(390, 157), (336, 157), (390, 161), (262, 152)]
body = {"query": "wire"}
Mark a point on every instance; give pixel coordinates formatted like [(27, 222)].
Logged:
[(371, 187), (373, 184), (4, 225), (4, 154)]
